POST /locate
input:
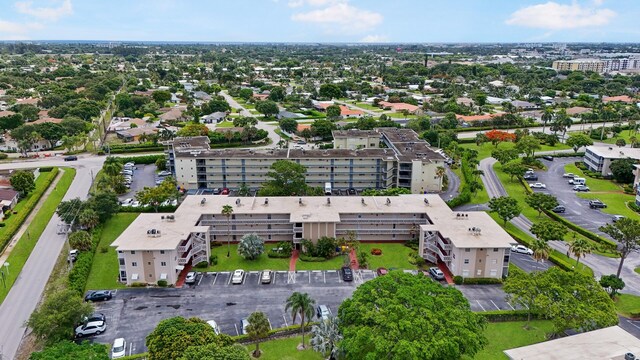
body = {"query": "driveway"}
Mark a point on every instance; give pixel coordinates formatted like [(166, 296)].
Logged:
[(454, 186), (143, 176), (486, 297)]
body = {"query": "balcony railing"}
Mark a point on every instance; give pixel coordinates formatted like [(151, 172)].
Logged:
[(184, 246), (184, 259)]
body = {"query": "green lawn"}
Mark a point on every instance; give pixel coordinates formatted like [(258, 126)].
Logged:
[(625, 134), (285, 349), (593, 184), (367, 106), (616, 203), (104, 270), (626, 305), (20, 253), (393, 256), (398, 115), (509, 335), (332, 264), (484, 150), (225, 124), (481, 196), (235, 261)]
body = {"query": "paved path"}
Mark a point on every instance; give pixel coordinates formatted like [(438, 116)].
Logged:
[(29, 219), (354, 259), (29, 286), (453, 188), (270, 128), (293, 260)]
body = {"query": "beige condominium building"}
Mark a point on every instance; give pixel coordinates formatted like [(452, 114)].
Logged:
[(380, 159), (160, 246), (579, 65)]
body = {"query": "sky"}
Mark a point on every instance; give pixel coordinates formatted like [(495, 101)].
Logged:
[(349, 21)]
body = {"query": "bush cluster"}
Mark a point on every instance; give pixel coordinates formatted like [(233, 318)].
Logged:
[(79, 274), (142, 159), (133, 148), (376, 251), (480, 281), (507, 315)]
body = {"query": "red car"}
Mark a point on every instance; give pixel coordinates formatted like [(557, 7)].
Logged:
[(225, 191), (381, 271)]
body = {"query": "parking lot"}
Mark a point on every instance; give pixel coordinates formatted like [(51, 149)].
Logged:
[(143, 176), (134, 313), (486, 297), (527, 263)]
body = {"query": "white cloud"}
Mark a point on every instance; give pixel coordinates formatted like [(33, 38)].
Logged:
[(10, 30), (347, 18), (45, 13), (375, 39), (314, 3), (554, 16)]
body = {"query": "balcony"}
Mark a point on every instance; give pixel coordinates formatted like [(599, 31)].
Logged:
[(198, 248), (184, 246), (183, 260)]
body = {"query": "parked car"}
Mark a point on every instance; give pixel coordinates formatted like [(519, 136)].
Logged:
[(164, 173), (615, 218), (243, 326), (352, 191), (91, 328), (548, 157), (173, 202), (323, 312), (95, 317), (119, 348), (216, 191), (382, 271), (127, 172), (436, 273), (191, 278), (265, 277), (73, 255), (237, 277), (225, 191), (568, 175), (214, 325), (71, 158), (559, 209), (521, 249), (347, 273), (530, 177), (582, 188), (159, 181), (100, 295), (538, 186), (597, 204)]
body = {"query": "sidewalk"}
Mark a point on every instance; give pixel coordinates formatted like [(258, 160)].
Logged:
[(30, 218), (354, 260), (294, 259)]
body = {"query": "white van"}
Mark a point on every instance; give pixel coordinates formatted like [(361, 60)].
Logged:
[(578, 181), (327, 188)]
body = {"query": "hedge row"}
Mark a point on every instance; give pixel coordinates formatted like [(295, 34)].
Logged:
[(507, 315), (307, 258), (274, 333), (79, 274), (135, 150), (143, 159), (148, 209), (584, 232), (19, 218), (476, 281), (278, 255), (465, 192), (559, 155)]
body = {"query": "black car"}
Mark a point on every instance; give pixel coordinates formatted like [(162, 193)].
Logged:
[(95, 317), (548, 157), (101, 295), (352, 191), (559, 209), (532, 177), (71, 158), (347, 274), (597, 204)]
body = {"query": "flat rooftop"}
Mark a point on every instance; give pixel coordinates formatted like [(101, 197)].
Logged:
[(408, 146), (614, 152), (603, 344), (284, 153), (354, 133)]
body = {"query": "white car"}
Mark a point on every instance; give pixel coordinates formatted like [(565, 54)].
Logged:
[(243, 325), (119, 348), (237, 277), (135, 204), (164, 173), (265, 277), (126, 202), (191, 278), (521, 249), (568, 175), (214, 325), (91, 328), (173, 202), (323, 312), (538, 186)]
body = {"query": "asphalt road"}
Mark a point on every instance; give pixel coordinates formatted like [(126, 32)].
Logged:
[(271, 129), (27, 290)]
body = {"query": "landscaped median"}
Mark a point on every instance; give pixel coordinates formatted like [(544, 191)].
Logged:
[(20, 253)]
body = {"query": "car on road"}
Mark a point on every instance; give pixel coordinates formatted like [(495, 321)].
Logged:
[(548, 157), (521, 249), (347, 273), (382, 271), (597, 204), (243, 326), (191, 278), (214, 325), (119, 348), (71, 158), (164, 173), (559, 209), (615, 218), (581, 188), (538, 186), (126, 202), (569, 175), (265, 277), (91, 328), (323, 312), (436, 273), (100, 295), (237, 277), (530, 177)]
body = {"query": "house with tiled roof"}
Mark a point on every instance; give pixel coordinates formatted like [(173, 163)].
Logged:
[(472, 118), (622, 98), (399, 107), (345, 112)]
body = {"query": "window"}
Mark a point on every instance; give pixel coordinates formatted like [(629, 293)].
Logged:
[(163, 263), (465, 273), (495, 249), (123, 275), (161, 252), (121, 260), (148, 262), (467, 250), (494, 273), (466, 261), (479, 272), (133, 252), (134, 263)]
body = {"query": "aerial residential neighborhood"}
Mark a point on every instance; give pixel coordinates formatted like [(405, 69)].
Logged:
[(318, 179)]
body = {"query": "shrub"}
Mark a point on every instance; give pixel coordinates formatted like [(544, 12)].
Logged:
[(138, 284), (3, 156), (633, 206), (307, 258), (507, 315), (415, 259), (363, 259), (104, 249), (142, 159), (376, 251), (162, 283), (79, 274), (213, 259), (277, 255), (2, 224), (412, 244), (458, 280), (46, 169), (481, 281), (201, 265)]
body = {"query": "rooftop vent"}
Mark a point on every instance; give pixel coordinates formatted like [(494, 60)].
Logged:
[(475, 231), (388, 201), (328, 201), (426, 201), (170, 218), (153, 233), (300, 201), (203, 201), (362, 201), (237, 201), (266, 201)]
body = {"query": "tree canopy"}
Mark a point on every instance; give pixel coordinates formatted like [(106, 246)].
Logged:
[(57, 317), (405, 316), (67, 350), (506, 207), (287, 179)]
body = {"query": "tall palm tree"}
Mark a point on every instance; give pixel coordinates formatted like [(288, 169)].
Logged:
[(302, 304), (580, 248), (547, 116), (112, 166), (258, 329), (227, 210), (440, 171), (541, 250)]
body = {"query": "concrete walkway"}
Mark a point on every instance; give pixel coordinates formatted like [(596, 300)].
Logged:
[(30, 218), (354, 259), (293, 260)]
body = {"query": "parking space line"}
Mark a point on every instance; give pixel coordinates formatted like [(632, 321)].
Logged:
[(285, 320), (201, 277), (215, 277), (258, 280), (481, 307), (270, 327), (494, 304), (324, 277), (511, 306), (229, 281), (236, 326)]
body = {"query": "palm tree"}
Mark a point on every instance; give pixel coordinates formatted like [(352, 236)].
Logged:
[(540, 249), (227, 210), (326, 336), (440, 171), (547, 116), (112, 166), (258, 329), (580, 247), (302, 304)]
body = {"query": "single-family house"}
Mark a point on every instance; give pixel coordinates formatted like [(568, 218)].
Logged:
[(472, 118), (201, 95), (260, 97), (124, 123), (173, 114), (465, 101), (133, 134), (496, 100), (400, 107), (287, 115), (215, 117), (523, 105), (622, 98), (346, 112), (576, 111), (8, 199)]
